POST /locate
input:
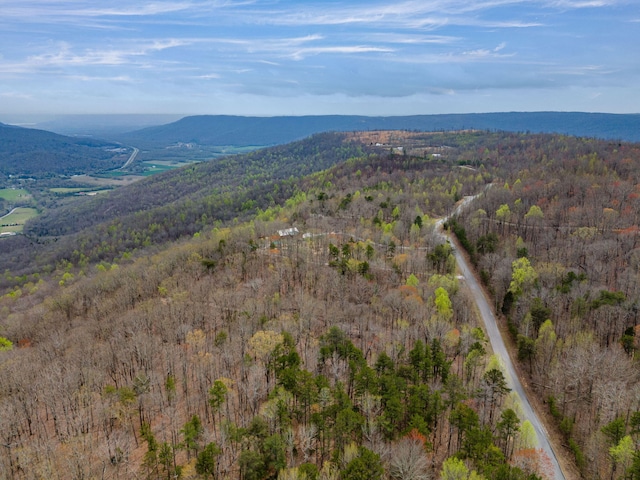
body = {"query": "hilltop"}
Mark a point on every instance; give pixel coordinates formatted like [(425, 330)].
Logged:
[(38, 153)]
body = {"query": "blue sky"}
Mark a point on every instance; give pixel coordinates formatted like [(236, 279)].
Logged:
[(305, 57)]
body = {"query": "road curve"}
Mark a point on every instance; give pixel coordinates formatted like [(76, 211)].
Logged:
[(499, 348), (9, 213), (131, 158)]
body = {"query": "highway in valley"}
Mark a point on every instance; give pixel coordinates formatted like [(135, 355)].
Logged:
[(131, 158), (499, 349)]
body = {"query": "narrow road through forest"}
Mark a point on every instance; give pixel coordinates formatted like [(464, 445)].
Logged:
[(499, 348)]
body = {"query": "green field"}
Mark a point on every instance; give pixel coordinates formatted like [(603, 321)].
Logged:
[(65, 191), (151, 168), (14, 194), (71, 191), (14, 222)]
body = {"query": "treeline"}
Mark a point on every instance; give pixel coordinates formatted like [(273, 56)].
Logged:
[(556, 242)]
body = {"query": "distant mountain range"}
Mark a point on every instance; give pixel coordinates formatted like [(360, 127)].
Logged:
[(264, 131), (39, 152)]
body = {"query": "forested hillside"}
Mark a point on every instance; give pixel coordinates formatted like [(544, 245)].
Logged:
[(37, 153), (324, 333), (168, 206), (556, 242), (348, 352)]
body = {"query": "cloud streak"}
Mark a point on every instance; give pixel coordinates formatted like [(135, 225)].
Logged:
[(382, 49)]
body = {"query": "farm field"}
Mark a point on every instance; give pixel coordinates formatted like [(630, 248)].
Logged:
[(74, 190), (14, 221), (14, 194), (151, 168)]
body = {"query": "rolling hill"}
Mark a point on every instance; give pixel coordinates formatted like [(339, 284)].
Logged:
[(353, 344), (37, 153)]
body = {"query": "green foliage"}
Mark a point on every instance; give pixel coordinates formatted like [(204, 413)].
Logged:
[(539, 313), (252, 465), (461, 234), (217, 395), (523, 276), (503, 213), (606, 297), (336, 341), (526, 348), (192, 434), (487, 243), (615, 430), (553, 407), (206, 461), (443, 303), (150, 461), (5, 344), (567, 281), (366, 466), (534, 212), (581, 460), (528, 438), (412, 281), (454, 469)]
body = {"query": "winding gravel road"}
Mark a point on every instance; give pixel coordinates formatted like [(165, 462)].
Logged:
[(499, 348)]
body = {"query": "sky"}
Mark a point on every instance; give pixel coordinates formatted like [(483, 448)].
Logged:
[(283, 57)]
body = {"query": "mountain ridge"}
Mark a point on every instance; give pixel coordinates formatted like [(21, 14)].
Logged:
[(264, 131)]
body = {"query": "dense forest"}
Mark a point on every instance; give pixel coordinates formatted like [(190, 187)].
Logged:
[(237, 347), (556, 243), (167, 206), (40, 154)]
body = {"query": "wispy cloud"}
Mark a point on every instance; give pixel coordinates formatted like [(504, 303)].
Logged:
[(583, 3), (62, 56), (97, 78), (286, 47), (344, 50), (208, 76), (411, 39), (16, 95)]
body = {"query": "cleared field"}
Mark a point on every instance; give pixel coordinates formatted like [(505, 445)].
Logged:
[(151, 168), (107, 182), (166, 163), (14, 221), (71, 191), (14, 194), (64, 191)]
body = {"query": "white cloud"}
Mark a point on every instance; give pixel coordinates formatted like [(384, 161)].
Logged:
[(65, 56), (409, 39), (305, 52), (208, 76)]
